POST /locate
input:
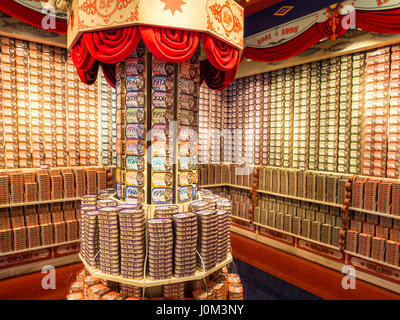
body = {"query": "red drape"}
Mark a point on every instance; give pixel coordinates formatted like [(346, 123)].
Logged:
[(109, 72), (385, 21), (297, 45), (113, 45), (29, 16), (220, 54), (169, 44), (108, 47), (81, 56), (89, 76), (214, 78)]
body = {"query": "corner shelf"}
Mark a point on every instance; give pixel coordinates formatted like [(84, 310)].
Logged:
[(147, 283)]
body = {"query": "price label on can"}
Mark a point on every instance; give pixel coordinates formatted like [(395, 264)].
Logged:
[(187, 133), (134, 83), (134, 131), (162, 179), (161, 195), (134, 99), (134, 178), (134, 115), (185, 163), (135, 163)]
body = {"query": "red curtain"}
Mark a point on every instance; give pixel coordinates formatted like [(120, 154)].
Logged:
[(169, 44), (109, 72), (297, 45), (81, 57), (385, 21), (29, 16), (113, 45), (89, 76), (220, 54), (214, 78)]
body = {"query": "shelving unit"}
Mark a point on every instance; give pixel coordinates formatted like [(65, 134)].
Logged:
[(372, 260), (375, 213), (241, 219), (296, 236), (147, 283), (23, 204), (38, 248)]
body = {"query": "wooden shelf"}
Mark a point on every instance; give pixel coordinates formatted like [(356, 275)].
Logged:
[(372, 260), (22, 204), (337, 205), (224, 185), (297, 236), (375, 213), (147, 283), (38, 248), (240, 218)]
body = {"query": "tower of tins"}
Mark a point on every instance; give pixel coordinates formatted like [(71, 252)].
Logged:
[(156, 226), (157, 125)]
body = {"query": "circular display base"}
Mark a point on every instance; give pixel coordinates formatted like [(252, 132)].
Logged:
[(147, 282)]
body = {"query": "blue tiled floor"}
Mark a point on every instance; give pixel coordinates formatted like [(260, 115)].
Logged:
[(259, 285)]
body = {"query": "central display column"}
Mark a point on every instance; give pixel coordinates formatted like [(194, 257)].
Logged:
[(157, 125)]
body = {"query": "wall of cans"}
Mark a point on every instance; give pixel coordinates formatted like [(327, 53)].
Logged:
[(336, 115), (48, 116), (108, 102)]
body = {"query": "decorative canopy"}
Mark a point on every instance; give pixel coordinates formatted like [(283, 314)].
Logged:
[(280, 32), (103, 33)]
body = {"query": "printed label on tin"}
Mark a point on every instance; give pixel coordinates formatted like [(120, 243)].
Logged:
[(185, 163), (161, 164), (185, 148), (135, 163), (185, 193), (159, 148), (188, 70), (134, 66), (134, 131), (159, 132), (134, 99), (134, 178), (187, 86), (134, 193), (187, 118), (134, 147), (134, 115), (186, 101), (162, 67), (162, 116), (134, 83), (162, 179), (163, 83), (186, 178), (162, 99), (187, 133), (118, 190), (161, 195)]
